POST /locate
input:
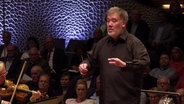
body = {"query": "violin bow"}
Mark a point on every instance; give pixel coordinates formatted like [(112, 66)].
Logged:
[(14, 91)]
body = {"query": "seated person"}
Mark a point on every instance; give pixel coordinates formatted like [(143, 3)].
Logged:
[(7, 87), (81, 89), (35, 73), (177, 60), (163, 84), (12, 62), (90, 80), (65, 81), (44, 86), (153, 98), (79, 55), (31, 42), (165, 69), (35, 59)]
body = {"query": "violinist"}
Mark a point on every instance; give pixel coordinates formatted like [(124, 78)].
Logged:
[(6, 89), (2, 81)]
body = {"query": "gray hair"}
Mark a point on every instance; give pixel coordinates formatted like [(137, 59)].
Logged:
[(164, 78), (123, 13)]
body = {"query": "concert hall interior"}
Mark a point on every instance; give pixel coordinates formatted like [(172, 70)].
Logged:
[(43, 42)]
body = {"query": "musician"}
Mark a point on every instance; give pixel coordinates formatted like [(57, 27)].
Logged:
[(7, 85), (3, 80)]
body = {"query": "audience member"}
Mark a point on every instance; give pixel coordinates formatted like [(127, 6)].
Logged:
[(81, 90), (31, 42), (12, 62), (65, 81), (45, 88), (137, 26), (90, 79), (177, 60), (163, 84), (153, 98), (56, 58), (35, 74), (6, 40), (35, 59), (177, 19), (164, 69), (44, 84), (162, 34), (148, 80), (79, 55)]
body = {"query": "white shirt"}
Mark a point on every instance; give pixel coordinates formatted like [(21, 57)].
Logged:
[(25, 55), (95, 98), (73, 101), (50, 61), (4, 52)]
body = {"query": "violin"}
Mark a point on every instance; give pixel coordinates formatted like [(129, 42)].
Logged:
[(8, 88)]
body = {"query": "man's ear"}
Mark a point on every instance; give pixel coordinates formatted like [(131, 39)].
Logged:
[(124, 24)]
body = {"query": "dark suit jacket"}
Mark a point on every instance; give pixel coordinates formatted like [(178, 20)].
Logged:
[(168, 34), (41, 62), (142, 31), (59, 59), (89, 44), (15, 68)]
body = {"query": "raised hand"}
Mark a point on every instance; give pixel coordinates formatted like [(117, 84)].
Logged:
[(83, 68)]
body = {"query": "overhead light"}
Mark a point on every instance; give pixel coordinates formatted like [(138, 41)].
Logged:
[(166, 6)]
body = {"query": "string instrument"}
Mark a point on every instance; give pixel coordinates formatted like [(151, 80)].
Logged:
[(11, 89), (8, 88), (21, 93)]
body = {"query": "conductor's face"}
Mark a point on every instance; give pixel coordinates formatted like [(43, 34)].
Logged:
[(115, 25)]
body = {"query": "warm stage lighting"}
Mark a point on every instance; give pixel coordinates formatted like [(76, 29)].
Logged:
[(166, 6)]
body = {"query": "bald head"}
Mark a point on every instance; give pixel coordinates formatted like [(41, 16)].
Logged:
[(36, 68), (35, 72)]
